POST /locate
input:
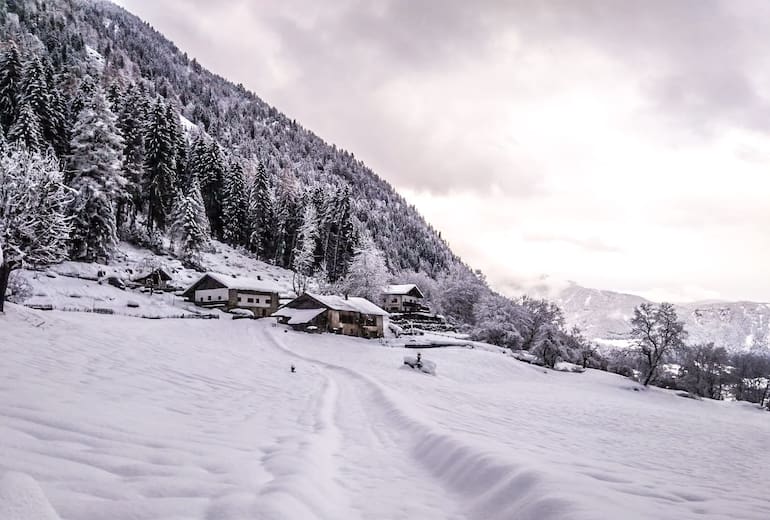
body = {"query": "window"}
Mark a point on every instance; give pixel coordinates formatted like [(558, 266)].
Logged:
[(257, 300), (219, 297), (239, 299), (395, 300), (209, 298), (267, 301), (250, 300)]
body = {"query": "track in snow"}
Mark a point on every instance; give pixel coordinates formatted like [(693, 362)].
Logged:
[(399, 464)]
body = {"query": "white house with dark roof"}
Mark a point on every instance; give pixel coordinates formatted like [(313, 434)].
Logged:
[(402, 298), (350, 315), (230, 292)]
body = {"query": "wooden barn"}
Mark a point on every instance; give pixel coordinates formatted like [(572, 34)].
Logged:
[(351, 316), (233, 292), (403, 298), (156, 280)]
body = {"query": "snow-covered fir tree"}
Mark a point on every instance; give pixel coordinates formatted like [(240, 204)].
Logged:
[(83, 96), (132, 117), (189, 227), (94, 234), (34, 228), (10, 84), (55, 122), (159, 177), (260, 214), (26, 128), (234, 205), (95, 167), (210, 170), (304, 258)]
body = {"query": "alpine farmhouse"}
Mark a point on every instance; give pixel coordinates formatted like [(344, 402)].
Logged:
[(351, 316), (233, 292), (402, 298)]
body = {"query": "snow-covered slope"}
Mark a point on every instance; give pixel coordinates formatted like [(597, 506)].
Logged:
[(122, 418), (605, 315), (74, 285)]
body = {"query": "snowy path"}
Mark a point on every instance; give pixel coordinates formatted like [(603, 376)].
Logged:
[(428, 472), (374, 455)]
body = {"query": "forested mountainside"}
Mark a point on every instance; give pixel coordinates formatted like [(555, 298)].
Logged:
[(135, 64), (111, 132)]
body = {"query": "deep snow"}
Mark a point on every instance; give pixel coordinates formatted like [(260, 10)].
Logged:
[(122, 418)]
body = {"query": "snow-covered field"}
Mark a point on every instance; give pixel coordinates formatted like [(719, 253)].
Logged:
[(122, 418)]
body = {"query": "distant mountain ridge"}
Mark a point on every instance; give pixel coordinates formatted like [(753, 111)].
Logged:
[(605, 315)]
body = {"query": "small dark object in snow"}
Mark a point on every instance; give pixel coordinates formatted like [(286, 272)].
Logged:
[(293, 369), (285, 331), (428, 367)]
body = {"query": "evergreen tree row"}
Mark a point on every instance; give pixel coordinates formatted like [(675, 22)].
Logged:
[(137, 174)]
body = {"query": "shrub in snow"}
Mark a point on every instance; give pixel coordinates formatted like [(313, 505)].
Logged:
[(19, 288), (33, 200)]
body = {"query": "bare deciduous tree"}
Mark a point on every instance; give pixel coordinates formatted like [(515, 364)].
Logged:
[(658, 332)]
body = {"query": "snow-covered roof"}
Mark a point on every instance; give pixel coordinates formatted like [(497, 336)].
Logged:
[(237, 282), (402, 289), (144, 273), (351, 303), (297, 316)]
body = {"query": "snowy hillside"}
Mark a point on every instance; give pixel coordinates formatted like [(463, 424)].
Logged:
[(121, 418), (76, 286), (605, 315)]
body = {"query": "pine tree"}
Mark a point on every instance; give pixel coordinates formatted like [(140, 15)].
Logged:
[(159, 179), (35, 93), (55, 122), (260, 215), (211, 177), (95, 168), (303, 255), (343, 237), (10, 85), (83, 96), (131, 123), (26, 128), (114, 96), (189, 227), (94, 232), (234, 205), (97, 146)]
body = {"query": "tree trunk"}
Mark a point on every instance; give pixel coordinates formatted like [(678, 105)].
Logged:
[(5, 273)]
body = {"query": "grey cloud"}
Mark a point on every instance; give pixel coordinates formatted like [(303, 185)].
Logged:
[(693, 62)]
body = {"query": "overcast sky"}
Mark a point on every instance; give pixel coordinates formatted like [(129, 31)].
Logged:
[(624, 145)]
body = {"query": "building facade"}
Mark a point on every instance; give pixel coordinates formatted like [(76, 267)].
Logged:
[(350, 316), (217, 290), (403, 298)]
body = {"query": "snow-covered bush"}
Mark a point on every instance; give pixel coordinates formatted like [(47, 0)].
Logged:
[(33, 200)]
